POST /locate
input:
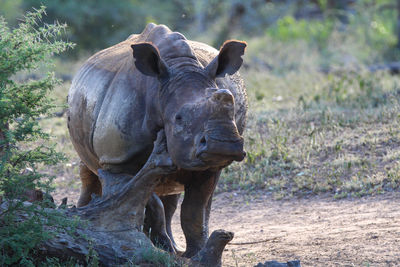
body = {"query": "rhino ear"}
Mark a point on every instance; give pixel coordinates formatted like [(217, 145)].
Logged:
[(228, 60), (148, 60)]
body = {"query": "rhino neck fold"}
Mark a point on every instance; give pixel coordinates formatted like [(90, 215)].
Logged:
[(185, 79), (183, 64)]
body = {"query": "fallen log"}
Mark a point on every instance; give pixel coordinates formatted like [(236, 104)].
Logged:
[(113, 223), (392, 67)]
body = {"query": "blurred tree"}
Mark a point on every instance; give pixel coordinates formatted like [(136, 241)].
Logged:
[(96, 24), (236, 13), (200, 14), (398, 24), (341, 8)]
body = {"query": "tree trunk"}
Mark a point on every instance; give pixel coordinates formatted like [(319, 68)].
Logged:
[(3, 144), (200, 14), (398, 24), (237, 12)]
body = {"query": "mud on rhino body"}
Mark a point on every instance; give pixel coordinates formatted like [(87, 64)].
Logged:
[(122, 96)]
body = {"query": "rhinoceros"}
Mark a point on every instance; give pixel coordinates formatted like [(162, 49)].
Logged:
[(124, 95)]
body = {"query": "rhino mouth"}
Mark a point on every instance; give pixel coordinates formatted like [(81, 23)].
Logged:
[(215, 158), (213, 150), (206, 160), (201, 165)]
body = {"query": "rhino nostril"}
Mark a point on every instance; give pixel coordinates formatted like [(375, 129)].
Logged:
[(201, 147), (203, 141)]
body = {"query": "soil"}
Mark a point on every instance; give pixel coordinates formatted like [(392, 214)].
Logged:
[(318, 231)]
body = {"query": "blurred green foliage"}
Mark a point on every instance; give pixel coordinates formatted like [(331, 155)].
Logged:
[(314, 32), (101, 23), (94, 25)]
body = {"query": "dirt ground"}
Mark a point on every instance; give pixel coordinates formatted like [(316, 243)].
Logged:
[(318, 231)]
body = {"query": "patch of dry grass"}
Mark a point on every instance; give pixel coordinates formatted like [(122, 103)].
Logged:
[(313, 133)]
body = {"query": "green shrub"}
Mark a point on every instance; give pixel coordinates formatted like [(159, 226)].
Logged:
[(24, 147), (313, 31)]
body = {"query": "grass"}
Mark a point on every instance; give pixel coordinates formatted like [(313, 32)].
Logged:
[(310, 133)]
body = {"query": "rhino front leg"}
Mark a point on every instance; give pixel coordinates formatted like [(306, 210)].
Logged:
[(195, 210)]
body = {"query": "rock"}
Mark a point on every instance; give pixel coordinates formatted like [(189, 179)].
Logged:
[(295, 263)]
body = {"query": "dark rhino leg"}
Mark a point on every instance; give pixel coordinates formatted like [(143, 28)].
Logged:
[(90, 185), (154, 224), (170, 203), (195, 210)]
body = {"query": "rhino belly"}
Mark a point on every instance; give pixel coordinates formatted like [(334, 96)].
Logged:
[(168, 187)]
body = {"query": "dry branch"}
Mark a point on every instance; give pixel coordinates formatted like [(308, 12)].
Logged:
[(211, 254)]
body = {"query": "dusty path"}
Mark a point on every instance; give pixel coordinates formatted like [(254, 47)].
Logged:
[(317, 231)]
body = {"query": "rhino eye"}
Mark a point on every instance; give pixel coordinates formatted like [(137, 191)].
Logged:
[(178, 118)]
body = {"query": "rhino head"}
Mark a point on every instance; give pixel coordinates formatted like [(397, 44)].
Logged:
[(198, 117)]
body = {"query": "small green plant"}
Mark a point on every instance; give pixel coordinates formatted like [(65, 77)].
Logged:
[(24, 147), (92, 258), (159, 258)]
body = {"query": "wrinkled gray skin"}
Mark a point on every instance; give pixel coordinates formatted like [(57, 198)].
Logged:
[(123, 95)]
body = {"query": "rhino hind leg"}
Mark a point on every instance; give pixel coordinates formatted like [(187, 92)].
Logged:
[(90, 185), (155, 224), (170, 203)]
